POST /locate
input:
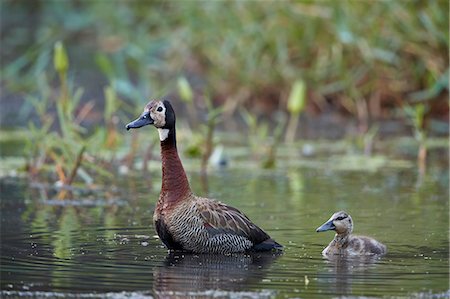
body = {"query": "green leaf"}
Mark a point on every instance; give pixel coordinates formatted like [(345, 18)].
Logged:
[(105, 65), (60, 60), (185, 90), (64, 123), (419, 115), (110, 102), (297, 97)]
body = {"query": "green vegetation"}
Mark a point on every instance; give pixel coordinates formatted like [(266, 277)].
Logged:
[(59, 145), (296, 104), (417, 116), (236, 62)]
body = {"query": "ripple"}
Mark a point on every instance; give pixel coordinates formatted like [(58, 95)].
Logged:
[(85, 202), (104, 249), (111, 295)]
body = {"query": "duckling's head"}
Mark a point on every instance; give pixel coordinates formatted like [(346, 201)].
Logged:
[(157, 113), (341, 222)]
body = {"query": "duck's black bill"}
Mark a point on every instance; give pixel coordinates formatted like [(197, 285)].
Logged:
[(144, 120), (326, 226)]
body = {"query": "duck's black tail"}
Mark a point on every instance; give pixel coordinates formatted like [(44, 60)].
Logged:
[(267, 245)]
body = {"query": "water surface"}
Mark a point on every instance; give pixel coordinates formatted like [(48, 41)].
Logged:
[(107, 247)]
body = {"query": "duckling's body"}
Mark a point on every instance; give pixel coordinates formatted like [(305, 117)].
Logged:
[(354, 245), (344, 243), (185, 221)]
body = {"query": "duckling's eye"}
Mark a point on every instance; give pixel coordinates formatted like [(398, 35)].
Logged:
[(341, 217), (159, 109)]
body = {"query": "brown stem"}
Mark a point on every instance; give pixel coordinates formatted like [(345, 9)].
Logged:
[(292, 128), (68, 181), (73, 173), (363, 115), (422, 159), (84, 112)]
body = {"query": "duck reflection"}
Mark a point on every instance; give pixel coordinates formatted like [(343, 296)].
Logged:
[(343, 271), (192, 274)]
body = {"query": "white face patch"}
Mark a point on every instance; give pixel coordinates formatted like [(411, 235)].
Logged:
[(158, 114), (163, 133)]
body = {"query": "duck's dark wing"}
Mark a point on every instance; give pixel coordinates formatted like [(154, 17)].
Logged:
[(219, 218)]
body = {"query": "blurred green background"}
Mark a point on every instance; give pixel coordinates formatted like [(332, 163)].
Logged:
[(74, 72)]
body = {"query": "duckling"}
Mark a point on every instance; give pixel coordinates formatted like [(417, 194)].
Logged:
[(346, 244), (188, 222)]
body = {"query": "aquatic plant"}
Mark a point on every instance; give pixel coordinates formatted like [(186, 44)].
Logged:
[(202, 141), (362, 69), (263, 141), (246, 56), (245, 53), (416, 114), (295, 105), (61, 145)]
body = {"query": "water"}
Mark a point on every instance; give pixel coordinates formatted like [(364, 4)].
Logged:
[(108, 248)]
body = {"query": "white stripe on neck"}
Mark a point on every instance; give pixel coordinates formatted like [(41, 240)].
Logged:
[(163, 133)]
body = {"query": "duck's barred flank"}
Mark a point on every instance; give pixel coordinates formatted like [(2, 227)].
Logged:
[(188, 225), (187, 222)]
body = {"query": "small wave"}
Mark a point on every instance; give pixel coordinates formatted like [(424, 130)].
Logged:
[(85, 202), (141, 295), (112, 295)]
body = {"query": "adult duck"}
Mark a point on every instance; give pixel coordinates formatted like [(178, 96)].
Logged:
[(185, 221), (344, 243)]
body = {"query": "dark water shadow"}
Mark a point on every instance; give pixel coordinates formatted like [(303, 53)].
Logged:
[(200, 274)]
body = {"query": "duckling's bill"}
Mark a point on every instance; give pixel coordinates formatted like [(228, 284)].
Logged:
[(329, 225), (144, 120)]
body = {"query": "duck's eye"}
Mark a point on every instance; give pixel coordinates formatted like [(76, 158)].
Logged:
[(341, 217), (159, 109)]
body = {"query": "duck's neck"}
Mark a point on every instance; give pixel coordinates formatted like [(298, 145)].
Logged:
[(175, 185), (340, 240)]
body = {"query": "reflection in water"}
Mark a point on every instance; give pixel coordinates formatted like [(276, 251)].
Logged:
[(344, 269), (192, 274)]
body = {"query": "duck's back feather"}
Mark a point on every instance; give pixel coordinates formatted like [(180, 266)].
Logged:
[(220, 218)]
